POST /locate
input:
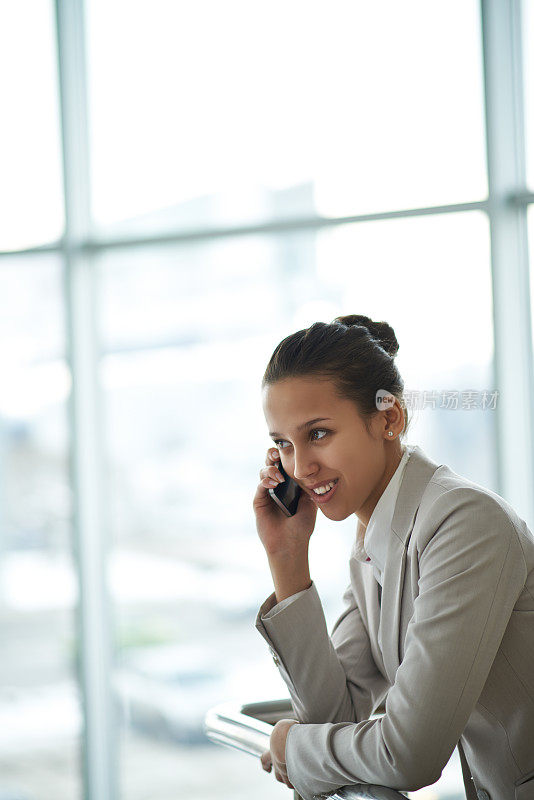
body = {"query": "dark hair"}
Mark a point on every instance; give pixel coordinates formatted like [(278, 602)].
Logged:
[(356, 353)]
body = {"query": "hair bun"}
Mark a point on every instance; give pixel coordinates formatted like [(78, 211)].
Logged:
[(381, 331)]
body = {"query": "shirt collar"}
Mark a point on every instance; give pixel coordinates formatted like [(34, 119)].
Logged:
[(371, 542)]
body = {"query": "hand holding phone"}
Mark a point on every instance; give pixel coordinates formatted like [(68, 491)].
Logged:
[(285, 514), (286, 495)]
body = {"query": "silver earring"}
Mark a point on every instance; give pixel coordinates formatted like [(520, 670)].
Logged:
[(390, 433)]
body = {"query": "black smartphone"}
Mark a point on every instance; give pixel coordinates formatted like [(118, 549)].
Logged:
[(286, 494)]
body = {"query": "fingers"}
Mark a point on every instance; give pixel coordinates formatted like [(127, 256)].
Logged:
[(266, 761), (270, 475), (280, 772), (273, 456), (282, 778)]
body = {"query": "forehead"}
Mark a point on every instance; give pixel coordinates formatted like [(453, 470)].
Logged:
[(294, 400)]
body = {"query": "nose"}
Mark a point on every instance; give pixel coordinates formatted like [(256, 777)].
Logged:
[(303, 466)]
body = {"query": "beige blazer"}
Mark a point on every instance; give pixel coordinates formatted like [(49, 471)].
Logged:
[(457, 622)]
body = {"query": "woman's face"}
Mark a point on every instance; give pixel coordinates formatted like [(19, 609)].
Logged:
[(336, 446)]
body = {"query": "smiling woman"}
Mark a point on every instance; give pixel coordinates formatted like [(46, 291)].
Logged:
[(439, 565)]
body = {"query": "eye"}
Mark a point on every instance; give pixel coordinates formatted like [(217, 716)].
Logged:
[(278, 442)]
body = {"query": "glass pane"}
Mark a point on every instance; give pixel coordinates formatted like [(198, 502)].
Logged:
[(31, 200), (212, 113), (39, 699), (527, 9), (530, 224), (187, 332)]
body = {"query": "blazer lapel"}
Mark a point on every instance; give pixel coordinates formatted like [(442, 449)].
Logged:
[(417, 473)]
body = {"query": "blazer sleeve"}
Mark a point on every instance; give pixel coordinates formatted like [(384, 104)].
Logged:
[(330, 678), (472, 570), (281, 605)]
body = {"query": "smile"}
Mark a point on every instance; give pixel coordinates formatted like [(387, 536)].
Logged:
[(322, 496)]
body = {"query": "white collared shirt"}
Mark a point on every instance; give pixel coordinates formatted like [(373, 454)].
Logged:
[(373, 547)]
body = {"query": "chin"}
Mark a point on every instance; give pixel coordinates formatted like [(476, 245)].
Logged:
[(336, 516)]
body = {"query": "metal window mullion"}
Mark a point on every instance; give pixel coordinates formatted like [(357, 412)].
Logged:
[(93, 612), (93, 244), (513, 363)]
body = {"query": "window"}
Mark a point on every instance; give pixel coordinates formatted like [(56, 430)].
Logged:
[(248, 169)]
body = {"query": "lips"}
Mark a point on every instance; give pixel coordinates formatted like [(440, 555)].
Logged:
[(324, 498), (318, 485)]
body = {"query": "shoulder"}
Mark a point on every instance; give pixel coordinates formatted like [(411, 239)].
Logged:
[(460, 507)]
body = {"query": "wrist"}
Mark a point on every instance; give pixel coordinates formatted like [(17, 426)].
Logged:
[(294, 553), (279, 737), (289, 726)]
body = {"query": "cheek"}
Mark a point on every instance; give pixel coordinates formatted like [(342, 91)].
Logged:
[(356, 477), (352, 468)]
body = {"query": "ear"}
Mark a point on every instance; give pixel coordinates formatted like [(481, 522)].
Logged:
[(394, 419)]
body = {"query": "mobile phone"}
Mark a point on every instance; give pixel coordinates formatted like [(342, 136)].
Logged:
[(286, 495)]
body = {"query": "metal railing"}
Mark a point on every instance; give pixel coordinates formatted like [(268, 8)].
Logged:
[(248, 728)]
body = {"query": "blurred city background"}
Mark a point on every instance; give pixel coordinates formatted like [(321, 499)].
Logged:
[(181, 186)]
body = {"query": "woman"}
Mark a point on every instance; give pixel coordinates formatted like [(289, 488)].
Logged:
[(438, 621)]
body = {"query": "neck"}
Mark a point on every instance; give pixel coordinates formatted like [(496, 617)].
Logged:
[(392, 462)]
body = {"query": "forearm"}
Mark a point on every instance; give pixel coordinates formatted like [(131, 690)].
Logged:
[(307, 661), (291, 574), (315, 666)]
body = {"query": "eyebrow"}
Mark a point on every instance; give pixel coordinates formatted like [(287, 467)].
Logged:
[(303, 426)]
